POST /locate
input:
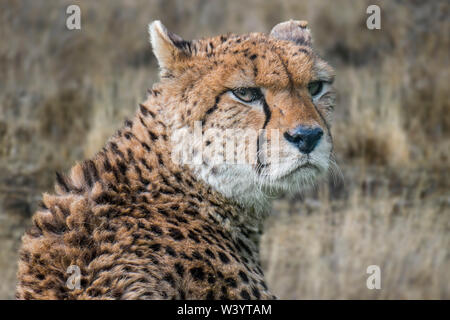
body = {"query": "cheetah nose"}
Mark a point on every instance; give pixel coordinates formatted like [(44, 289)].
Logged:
[(304, 138)]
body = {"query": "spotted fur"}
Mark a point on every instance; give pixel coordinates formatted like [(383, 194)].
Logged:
[(139, 225)]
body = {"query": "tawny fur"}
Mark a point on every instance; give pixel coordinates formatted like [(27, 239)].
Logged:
[(140, 226)]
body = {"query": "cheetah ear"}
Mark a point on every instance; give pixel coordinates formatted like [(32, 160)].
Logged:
[(168, 47), (293, 30)]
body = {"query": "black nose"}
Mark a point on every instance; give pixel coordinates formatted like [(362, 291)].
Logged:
[(304, 138)]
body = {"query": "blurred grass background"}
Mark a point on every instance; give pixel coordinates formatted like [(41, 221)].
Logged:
[(62, 93)]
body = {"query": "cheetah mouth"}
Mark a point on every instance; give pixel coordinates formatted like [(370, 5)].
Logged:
[(303, 167)]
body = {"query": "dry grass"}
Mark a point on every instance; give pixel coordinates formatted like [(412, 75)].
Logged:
[(62, 93), (321, 248)]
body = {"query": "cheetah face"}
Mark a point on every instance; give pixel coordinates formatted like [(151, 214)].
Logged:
[(252, 112)]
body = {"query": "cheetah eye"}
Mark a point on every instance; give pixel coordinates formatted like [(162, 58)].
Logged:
[(247, 94), (315, 88)]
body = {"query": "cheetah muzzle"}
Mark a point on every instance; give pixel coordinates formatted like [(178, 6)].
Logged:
[(173, 205)]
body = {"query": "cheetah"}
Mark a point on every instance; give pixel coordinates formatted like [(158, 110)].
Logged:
[(139, 222)]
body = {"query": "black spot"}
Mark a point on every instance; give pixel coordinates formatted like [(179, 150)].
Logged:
[(303, 51), (152, 135), (243, 276), (148, 237), (146, 147), (84, 282), (210, 295), (181, 219), (161, 162), (25, 256), (263, 284), (171, 251), (122, 167), (179, 269), (169, 278), (235, 257), (245, 295), (156, 229), (155, 247), (256, 293), (197, 255), (255, 70), (253, 56), (259, 270), (193, 236), (116, 150), (107, 165), (172, 222), (244, 246), (223, 235), (93, 170), (231, 282), (61, 181), (163, 212), (182, 44), (211, 110), (155, 93), (143, 109), (208, 229), (211, 279), (93, 292), (104, 198), (224, 257), (230, 247), (210, 253), (130, 156), (176, 234), (146, 165), (185, 256), (87, 176), (208, 262), (128, 123), (198, 273), (206, 239), (153, 258), (190, 212)]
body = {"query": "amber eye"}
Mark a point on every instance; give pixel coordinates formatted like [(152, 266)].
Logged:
[(315, 88), (247, 94)]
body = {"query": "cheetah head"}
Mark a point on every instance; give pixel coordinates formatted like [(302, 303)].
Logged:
[(250, 113)]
